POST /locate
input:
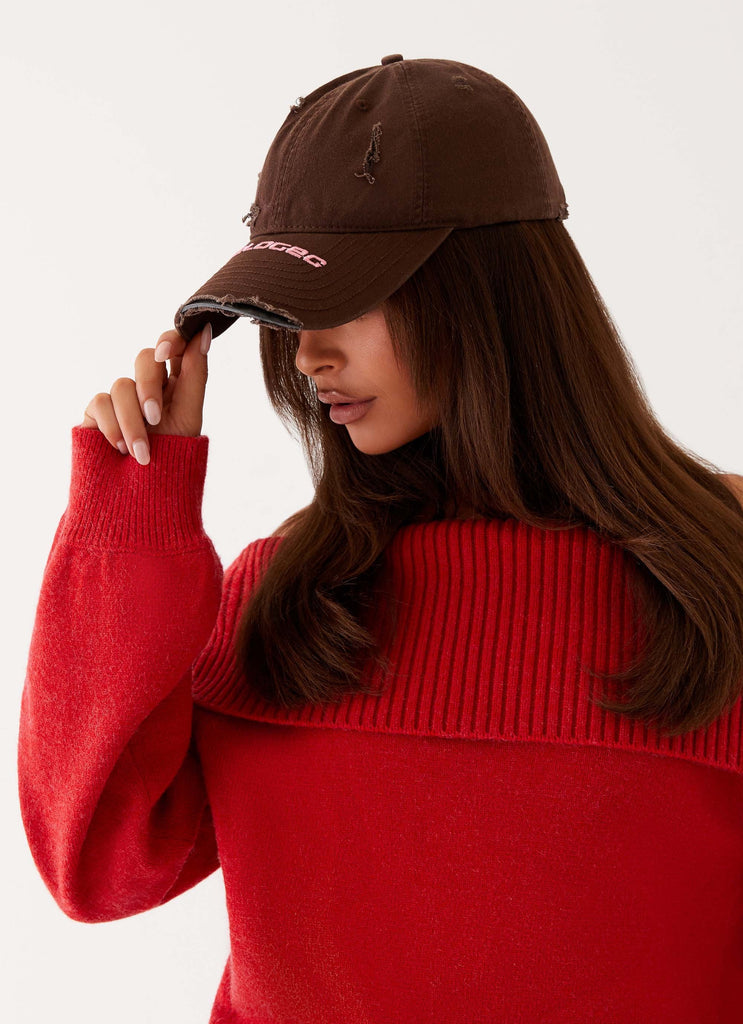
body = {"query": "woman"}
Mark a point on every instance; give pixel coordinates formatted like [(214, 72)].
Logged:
[(384, 722)]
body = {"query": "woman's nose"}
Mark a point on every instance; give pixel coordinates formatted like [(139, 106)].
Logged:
[(315, 352)]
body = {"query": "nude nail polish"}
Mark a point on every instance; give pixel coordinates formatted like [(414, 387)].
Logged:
[(141, 452)]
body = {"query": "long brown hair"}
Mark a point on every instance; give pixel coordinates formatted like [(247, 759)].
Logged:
[(542, 418)]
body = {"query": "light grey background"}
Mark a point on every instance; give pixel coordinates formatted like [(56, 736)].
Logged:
[(133, 137)]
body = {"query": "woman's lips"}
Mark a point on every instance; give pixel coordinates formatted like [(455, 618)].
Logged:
[(334, 397), (348, 413)]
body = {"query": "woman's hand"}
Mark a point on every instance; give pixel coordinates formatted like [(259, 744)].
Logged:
[(171, 403)]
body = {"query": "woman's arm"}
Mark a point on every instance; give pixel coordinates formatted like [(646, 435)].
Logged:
[(111, 790)]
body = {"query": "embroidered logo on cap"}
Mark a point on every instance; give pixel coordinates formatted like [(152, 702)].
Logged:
[(291, 250)]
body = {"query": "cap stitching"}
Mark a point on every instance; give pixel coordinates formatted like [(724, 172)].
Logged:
[(328, 229), (519, 105), (421, 184), (320, 298), (300, 129), (321, 293), (535, 143)]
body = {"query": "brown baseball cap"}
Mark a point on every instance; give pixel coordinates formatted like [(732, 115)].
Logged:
[(365, 178)]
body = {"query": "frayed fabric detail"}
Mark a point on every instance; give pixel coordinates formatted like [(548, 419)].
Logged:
[(256, 300), (372, 154), (250, 216)]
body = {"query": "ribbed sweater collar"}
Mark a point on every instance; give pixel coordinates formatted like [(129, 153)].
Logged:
[(495, 620)]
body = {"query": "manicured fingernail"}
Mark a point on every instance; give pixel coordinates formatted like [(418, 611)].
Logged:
[(152, 411), (122, 447), (141, 452), (206, 338), (162, 351)]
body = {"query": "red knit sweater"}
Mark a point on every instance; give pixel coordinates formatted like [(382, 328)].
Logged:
[(478, 844)]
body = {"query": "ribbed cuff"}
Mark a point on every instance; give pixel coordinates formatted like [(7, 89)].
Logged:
[(114, 502)]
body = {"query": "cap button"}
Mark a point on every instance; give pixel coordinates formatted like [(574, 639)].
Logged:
[(391, 58)]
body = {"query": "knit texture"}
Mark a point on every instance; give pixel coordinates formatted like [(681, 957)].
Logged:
[(477, 843)]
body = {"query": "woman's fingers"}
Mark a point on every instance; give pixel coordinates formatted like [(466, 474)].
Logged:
[(118, 417), (170, 403), (187, 402), (100, 413), (151, 378), (131, 421), (170, 345), (183, 396)]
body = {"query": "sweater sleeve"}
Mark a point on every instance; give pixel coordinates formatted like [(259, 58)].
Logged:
[(111, 791)]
